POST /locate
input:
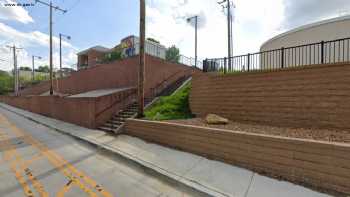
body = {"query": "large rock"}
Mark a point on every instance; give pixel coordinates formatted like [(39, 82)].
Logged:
[(215, 119)]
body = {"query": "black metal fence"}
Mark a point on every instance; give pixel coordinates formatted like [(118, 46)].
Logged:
[(325, 52)]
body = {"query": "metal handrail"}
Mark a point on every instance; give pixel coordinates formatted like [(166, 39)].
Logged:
[(332, 51), (159, 85), (114, 103)]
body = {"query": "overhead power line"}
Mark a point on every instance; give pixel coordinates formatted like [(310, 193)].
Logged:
[(50, 22), (16, 78), (228, 6)]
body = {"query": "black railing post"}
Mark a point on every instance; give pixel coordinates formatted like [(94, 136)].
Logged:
[(322, 52), (282, 57), (205, 65), (248, 62), (225, 63)]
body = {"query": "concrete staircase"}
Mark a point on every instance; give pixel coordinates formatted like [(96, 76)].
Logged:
[(116, 123)]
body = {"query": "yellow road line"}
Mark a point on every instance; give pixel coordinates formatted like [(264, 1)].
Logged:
[(34, 158), (65, 189), (23, 167), (59, 162), (8, 157)]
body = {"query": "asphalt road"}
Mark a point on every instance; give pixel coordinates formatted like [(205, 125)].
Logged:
[(37, 161)]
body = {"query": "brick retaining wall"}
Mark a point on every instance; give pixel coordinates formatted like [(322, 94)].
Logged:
[(325, 166), (86, 112), (117, 74), (315, 96)]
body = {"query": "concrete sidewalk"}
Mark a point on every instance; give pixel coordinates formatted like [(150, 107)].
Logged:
[(212, 177)]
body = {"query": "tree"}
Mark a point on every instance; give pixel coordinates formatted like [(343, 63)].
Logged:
[(116, 54), (25, 68), (153, 40), (43, 69), (173, 54), (6, 83)]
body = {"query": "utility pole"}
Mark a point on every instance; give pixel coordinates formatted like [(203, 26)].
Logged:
[(141, 78), (33, 64), (195, 37), (50, 21), (15, 71), (229, 30), (68, 37)]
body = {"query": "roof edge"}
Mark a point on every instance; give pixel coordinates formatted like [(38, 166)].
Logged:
[(307, 26)]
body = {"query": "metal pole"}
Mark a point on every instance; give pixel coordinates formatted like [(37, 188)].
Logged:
[(229, 32), (15, 70), (141, 78), (322, 52), (51, 66), (248, 62), (60, 55), (196, 30), (282, 57), (33, 68), (17, 74)]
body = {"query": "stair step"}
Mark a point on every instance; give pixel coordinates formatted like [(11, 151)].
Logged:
[(106, 129), (111, 125), (127, 112), (115, 122), (125, 115), (120, 119)]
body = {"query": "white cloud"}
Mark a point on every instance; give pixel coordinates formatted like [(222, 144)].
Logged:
[(27, 39), (15, 13), (33, 40), (255, 22), (299, 12)]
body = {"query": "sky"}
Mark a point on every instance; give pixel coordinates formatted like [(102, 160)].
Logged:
[(106, 22)]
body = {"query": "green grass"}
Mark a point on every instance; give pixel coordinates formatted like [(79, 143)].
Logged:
[(171, 107)]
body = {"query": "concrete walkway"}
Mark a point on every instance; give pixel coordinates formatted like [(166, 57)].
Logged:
[(212, 177), (98, 93)]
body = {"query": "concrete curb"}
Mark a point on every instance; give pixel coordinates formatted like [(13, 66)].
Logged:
[(196, 186)]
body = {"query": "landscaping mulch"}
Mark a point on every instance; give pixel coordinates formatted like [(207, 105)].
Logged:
[(341, 136)]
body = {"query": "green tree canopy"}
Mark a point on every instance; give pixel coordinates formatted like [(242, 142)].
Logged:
[(43, 69), (173, 54), (116, 54), (153, 40), (25, 68), (6, 82)]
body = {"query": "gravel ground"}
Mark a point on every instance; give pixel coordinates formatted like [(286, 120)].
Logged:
[(341, 136)]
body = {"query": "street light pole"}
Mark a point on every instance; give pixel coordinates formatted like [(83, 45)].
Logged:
[(141, 78), (229, 31), (68, 37), (50, 23), (33, 77), (196, 30), (60, 55), (51, 66), (195, 38), (33, 73), (15, 71)]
